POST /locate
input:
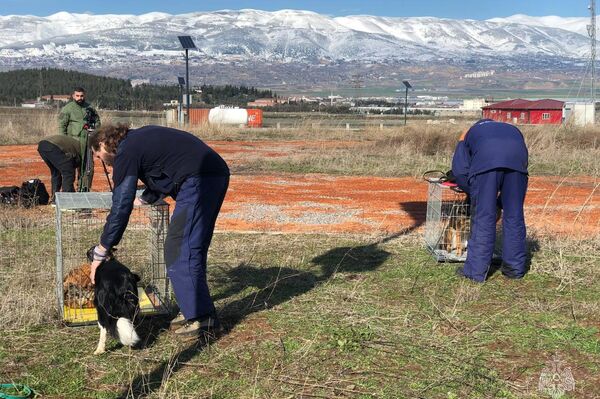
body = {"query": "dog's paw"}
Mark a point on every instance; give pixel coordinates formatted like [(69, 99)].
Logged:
[(99, 351)]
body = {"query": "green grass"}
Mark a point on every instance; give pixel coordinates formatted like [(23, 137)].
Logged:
[(342, 316)]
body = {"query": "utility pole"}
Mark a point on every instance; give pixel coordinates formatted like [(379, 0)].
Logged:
[(592, 33)]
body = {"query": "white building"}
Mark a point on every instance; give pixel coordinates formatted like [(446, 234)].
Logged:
[(580, 113), (473, 104)]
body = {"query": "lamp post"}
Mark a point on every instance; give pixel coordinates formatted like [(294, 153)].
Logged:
[(187, 43), (407, 86), (181, 82)]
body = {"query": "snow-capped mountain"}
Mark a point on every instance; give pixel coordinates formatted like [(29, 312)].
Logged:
[(572, 24), (286, 36)]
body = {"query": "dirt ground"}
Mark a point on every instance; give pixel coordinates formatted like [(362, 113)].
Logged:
[(324, 203)]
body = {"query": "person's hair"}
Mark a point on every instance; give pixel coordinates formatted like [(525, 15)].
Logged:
[(79, 89), (109, 135)]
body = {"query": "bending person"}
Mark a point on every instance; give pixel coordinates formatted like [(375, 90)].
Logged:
[(171, 163), (62, 154), (490, 164)]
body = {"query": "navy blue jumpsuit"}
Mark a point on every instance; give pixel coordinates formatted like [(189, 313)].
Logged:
[(172, 163), (490, 164)]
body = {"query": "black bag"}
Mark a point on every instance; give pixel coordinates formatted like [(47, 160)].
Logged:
[(33, 192), (9, 195)]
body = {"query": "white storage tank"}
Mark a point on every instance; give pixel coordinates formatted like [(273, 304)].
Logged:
[(228, 116)]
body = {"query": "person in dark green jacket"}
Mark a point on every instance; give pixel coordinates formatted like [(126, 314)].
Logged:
[(75, 120), (62, 154)]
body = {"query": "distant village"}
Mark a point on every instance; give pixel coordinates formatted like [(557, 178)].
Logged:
[(516, 111)]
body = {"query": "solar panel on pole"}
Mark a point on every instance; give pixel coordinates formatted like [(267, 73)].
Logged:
[(187, 43)]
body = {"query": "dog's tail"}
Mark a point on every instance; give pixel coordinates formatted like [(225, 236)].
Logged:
[(126, 332)]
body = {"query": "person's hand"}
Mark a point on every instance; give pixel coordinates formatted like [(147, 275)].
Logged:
[(139, 202), (93, 268), (99, 254)]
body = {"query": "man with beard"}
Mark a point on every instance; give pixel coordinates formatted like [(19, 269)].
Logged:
[(75, 120)]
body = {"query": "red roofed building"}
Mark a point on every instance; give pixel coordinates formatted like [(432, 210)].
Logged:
[(521, 111)]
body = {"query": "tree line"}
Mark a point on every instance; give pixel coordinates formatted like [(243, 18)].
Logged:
[(232, 95), (112, 93)]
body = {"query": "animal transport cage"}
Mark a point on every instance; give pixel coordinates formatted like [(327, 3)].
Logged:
[(80, 218), (448, 222)]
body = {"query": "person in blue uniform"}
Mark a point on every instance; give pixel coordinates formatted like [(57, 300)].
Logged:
[(173, 163), (490, 164)]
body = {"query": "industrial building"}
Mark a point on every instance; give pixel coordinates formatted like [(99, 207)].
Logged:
[(522, 111)]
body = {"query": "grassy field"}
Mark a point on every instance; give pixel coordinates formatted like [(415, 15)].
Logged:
[(326, 316), (323, 316)]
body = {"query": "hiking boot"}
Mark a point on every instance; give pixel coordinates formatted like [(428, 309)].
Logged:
[(207, 325), (177, 322), (460, 272), (510, 273)]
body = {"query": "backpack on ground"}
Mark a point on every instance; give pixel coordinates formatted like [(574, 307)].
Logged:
[(33, 192), (9, 195)]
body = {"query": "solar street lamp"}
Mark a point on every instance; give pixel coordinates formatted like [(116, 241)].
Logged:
[(187, 43), (407, 86)]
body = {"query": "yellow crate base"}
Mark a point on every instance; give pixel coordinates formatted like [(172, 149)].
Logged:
[(88, 315)]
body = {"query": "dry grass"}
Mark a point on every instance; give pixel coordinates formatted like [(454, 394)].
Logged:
[(27, 267), (571, 262), (27, 263), (387, 151), (24, 126)]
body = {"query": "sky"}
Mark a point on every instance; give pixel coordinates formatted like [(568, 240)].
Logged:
[(456, 9)]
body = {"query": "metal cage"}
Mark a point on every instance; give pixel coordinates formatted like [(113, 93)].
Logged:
[(448, 223), (80, 219)]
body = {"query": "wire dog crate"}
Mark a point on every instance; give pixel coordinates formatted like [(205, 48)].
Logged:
[(448, 223), (80, 218)]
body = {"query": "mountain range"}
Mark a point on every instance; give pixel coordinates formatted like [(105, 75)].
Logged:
[(242, 41)]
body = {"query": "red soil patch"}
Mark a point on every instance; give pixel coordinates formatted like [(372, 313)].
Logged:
[(331, 204)]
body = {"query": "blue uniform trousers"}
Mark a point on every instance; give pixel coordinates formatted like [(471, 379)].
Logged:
[(509, 187), (188, 238)]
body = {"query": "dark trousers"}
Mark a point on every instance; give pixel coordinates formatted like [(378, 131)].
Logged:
[(62, 168), (507, 187), (186, 247)]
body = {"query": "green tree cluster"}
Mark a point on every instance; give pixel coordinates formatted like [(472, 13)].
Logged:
[(232, 95), (111, 93)]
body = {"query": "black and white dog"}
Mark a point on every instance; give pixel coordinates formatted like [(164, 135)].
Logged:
[(116, 301)]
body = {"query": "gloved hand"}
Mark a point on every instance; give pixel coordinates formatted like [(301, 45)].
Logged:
[(96, 254)]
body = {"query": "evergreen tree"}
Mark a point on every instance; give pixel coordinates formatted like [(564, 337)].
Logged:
[(111, 93)]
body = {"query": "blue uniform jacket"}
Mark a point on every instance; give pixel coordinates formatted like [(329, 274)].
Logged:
[(489, 145), (162, 158)]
